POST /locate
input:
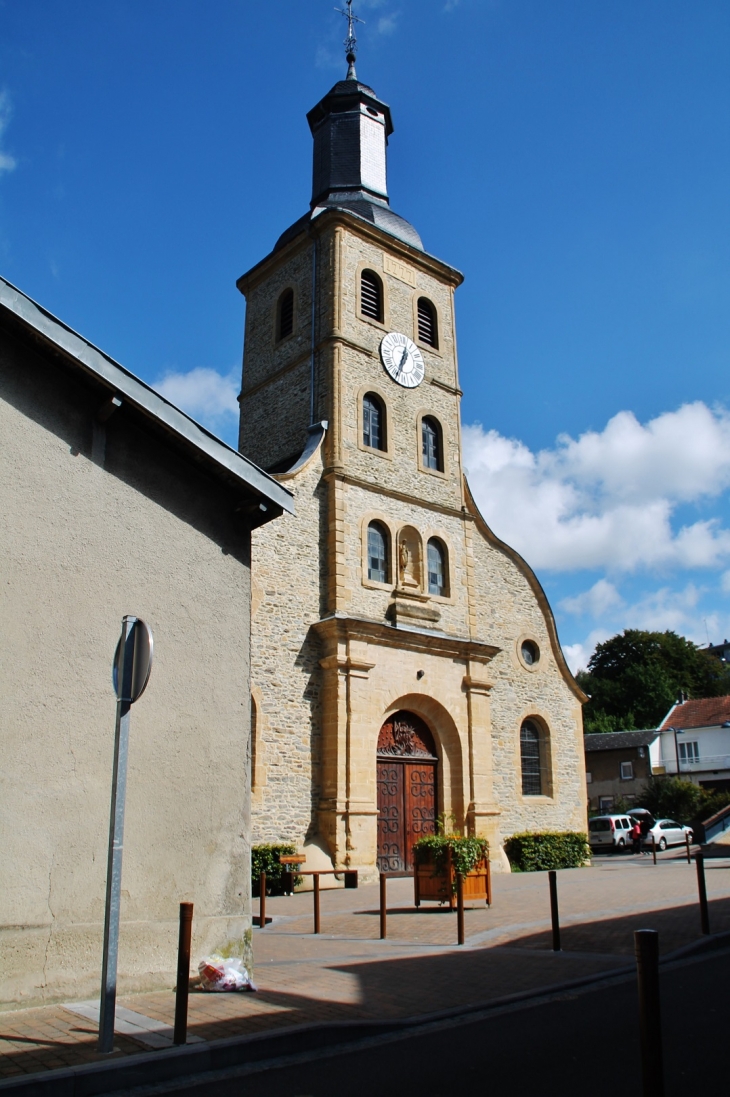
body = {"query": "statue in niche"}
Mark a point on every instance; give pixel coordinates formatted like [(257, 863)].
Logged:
[(406, 565)]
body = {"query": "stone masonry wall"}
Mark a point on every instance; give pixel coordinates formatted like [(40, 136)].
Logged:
[(285, 672), (315, 563), (508, 611)]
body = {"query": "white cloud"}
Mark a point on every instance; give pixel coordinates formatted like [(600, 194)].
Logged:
[(601, 597), (203, 393), (329, 58), (7, 162), (607, 499), (577, 655), (666, 608), (386, 24), (725, 582), (682, 610)]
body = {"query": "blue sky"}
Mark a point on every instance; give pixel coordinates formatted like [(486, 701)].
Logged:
[(571, 157)]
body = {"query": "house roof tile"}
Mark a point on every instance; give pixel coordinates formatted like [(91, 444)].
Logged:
[(703, 712)]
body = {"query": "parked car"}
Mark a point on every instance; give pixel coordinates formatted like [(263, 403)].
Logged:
[(668, 833), (610, 832)]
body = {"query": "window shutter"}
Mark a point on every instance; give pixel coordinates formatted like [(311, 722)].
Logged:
[(371, 296), (427, 328), (286, 314)]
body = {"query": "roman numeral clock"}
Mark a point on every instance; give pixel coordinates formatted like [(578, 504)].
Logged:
[(402, 359)]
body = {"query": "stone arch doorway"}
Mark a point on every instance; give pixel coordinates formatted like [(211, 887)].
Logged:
[(407, 789)]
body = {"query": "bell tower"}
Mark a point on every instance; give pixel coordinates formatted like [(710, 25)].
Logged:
[(296, 298), (385, 602)]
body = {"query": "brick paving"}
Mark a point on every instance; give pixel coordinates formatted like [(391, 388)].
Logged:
[(347, 973)]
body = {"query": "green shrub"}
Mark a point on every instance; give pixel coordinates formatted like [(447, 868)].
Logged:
[(529, 852), (466, 853), (677, 798), (266, 859)]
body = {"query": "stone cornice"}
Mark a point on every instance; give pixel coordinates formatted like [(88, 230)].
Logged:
[(331, 337), (475, 685), (452, 389), (340, 627), (330, 218), (337, 473), (358, 668)]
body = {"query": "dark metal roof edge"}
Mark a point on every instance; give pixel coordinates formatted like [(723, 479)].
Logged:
[(620, 740), (142, 396)]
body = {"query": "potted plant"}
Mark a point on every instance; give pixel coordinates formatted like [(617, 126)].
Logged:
[(440, 858)]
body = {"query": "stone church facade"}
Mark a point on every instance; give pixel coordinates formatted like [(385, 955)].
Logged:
[(405, 662)]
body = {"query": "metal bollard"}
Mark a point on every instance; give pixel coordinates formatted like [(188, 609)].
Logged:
[(702, 888), (553, 880), (180, 1032), (460, 908), (653, 846), (689, 854), (646, 946), (262, 900), (383, 906), (315, 879)]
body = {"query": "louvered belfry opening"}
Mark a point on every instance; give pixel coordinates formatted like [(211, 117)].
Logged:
[(285, 324), (427, 326), (371, 295)]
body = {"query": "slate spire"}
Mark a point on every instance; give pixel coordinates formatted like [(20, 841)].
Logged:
[(350, 127)]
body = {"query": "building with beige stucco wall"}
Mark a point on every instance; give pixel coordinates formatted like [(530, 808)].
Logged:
[(405, 662), (115, 502)]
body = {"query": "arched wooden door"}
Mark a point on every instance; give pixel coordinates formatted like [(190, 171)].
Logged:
[(406, 789)]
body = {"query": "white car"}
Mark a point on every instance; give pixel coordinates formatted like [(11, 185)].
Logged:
[(668, 833), (610, 832)]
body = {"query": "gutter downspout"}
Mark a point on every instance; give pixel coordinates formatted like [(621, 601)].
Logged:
[(314, 307)]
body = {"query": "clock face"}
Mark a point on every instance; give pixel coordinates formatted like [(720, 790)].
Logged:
[(402, 359)]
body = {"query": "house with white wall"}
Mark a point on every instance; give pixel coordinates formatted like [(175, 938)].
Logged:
[(694, 742)]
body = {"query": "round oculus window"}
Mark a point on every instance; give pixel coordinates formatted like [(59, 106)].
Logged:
[(530, 653)]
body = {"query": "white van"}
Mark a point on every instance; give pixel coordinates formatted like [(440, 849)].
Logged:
[(609, 832)]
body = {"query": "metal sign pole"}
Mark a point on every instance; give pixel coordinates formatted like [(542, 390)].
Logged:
[(124, 669)]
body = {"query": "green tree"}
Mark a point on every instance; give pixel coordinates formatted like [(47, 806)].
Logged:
[(675, 798), (672, 798), (634, 679)]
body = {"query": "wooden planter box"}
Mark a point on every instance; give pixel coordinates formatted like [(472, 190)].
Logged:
[(440, 887)]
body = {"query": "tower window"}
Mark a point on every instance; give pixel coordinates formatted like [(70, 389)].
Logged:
[(371, 295), (530, 758), (285, 315), (432, 449), (378, 552), (437, 568), (373, 422), (427, 323)]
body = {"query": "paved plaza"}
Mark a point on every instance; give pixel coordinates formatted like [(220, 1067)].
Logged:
[(348, 973)]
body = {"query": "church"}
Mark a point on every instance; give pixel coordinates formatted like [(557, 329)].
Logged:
[(406, 669)]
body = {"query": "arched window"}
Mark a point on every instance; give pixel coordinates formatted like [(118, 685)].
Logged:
[(431, 444), (437, 567), (373, 422), (531, 759), (428, 331), (371, 295), (285, 315), (378, 553)]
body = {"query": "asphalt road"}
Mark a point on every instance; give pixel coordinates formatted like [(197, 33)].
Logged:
[(580, 1044)]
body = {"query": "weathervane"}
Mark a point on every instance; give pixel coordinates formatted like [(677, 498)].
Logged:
[(351, 40)]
